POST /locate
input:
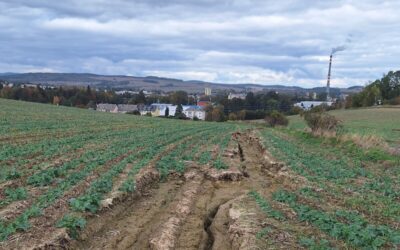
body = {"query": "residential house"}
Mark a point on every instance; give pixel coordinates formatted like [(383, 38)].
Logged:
[(171, 110), (307, 105), (114, 108), (203, 103), (161, 109), (146, 109), (126, 108), (122, 92), (106, 107), (192, 111), (238, 96)]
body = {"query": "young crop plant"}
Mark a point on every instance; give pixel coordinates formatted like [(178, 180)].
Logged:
[(14, 194), (315, 244), (73, 224), (264, 232), (266, 207), (128, 186), (219, 164), (355, 231), (88, 202), (12, 174), (21, 223)]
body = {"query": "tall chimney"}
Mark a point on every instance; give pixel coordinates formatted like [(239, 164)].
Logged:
[(328, 83)]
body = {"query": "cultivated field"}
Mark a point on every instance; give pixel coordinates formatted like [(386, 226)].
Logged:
[(89, 180)]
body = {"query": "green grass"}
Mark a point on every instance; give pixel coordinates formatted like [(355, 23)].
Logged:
[(382, 122)]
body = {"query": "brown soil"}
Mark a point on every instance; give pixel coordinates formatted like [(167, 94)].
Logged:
[(201, 209)]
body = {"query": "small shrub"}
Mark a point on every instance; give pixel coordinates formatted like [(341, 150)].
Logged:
[(135, 112), (322, 123), (296, 111), (276, 118), (232, 117), (181, 116)]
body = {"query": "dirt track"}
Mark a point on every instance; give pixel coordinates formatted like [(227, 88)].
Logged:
[(193, 211)]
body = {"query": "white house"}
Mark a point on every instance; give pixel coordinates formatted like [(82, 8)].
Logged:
[(146, 109), (192, 111), (121, 92), (171, 110), (307, 105), (238, 96), (162, 108), (106, 107)]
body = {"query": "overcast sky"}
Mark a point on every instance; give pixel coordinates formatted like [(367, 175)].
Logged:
[(230, 41)]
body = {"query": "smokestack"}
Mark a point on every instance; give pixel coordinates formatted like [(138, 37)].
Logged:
[(328, 82)]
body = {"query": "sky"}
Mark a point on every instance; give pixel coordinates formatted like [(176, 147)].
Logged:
[(227, 41)]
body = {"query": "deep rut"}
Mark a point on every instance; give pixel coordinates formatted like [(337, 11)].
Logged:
[(185, 212)]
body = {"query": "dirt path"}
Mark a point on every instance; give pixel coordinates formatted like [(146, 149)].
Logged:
[(193, 211)]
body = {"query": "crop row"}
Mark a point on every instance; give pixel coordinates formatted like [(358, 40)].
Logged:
[(337, 176), (342, 224), (90, 201)]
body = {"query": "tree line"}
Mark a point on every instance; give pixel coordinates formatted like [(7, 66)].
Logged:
[(86, 97), (254, 106), (382, 91)]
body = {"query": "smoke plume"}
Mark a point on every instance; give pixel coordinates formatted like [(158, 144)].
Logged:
[(337, 49)]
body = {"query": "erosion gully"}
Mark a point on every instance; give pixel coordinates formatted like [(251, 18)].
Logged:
[(187, 211)]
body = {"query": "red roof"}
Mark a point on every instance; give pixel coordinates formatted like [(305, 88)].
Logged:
[(203, 103)]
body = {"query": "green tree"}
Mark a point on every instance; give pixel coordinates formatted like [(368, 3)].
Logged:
[(179, 97), (167, 112), (140, 98), (179, 112), (251, 101), (218, 114)]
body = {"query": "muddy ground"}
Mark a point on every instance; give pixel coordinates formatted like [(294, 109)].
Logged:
[(200, 209)]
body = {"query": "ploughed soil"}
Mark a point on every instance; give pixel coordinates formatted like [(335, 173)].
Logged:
[(202, 208)]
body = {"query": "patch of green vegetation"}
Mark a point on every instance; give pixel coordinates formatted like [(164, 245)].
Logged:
[(381, 122), (73, 224), (266, 207), (344, 225), (315, 244), (128, 186), (264, 232)]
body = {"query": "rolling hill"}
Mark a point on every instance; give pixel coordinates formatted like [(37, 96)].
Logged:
[(152, 83)]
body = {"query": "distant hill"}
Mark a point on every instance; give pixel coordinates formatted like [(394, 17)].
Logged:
[(151, 83), (7, 74)]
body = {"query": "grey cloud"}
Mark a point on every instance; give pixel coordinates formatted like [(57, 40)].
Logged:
[(285, 42)]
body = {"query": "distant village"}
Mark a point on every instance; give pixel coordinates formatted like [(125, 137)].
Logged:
[(193, 112), (209, 105)]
